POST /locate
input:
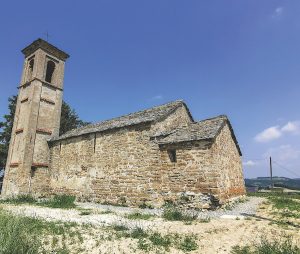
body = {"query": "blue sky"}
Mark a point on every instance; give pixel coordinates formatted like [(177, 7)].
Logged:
[(240, 58)]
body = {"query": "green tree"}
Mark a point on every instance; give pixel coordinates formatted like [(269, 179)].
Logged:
[(6, 128), (69, 120)]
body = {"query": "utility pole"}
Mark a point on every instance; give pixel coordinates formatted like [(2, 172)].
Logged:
[(271, 173)]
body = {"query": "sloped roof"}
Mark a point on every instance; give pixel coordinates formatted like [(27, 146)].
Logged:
[(207, 129), (40, 43), (144, 116)]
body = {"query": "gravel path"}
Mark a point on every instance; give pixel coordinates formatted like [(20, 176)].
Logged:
[(117, 214), (247, 208)]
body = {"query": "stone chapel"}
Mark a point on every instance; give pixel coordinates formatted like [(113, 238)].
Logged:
[(148, 157)]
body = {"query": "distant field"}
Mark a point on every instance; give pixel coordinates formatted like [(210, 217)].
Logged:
[(278, 182)]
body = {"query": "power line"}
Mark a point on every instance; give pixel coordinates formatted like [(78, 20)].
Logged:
[(291, 171)]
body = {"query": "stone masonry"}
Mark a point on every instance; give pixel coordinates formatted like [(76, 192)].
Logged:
[(151, 156)]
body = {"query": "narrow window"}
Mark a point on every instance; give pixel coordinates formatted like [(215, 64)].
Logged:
[(49, 71), (30, 69), (32, 172), (95, 143), (59, 147), (172, 155)]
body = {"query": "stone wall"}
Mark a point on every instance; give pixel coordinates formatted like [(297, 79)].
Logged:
[(226, 158), (127, 166), (119, 164)]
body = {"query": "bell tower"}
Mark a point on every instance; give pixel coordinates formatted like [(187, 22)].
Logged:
[(37, 119)]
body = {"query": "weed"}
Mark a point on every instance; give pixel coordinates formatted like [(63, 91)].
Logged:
[(139, 216), (143, 245), (172, 213), (138, 233), (60, 201), (17, 236), (188, 243), (159, 240), (122, 201), (144, 205), (283, 245), (118, 227), (20, 199), (87, 212)]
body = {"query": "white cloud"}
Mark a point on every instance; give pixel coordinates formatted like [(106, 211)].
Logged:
[(277, 12), (283, 153), (157, 97), (292, 127), (275, 132), (249, 163), (268, 134)]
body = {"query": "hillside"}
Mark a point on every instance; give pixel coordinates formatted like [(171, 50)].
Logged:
[(291, 183)]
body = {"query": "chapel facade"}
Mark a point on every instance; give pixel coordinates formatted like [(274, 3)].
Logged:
[(143, 158)]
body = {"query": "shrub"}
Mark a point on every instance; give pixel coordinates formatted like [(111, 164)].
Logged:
[(60, 201), (159, 240), (188, 244)]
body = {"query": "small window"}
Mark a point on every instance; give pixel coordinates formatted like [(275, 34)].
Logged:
[(33, 170), (172, 155), (49, 71), (30, 69)]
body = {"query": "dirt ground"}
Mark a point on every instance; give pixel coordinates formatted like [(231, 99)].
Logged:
[(218, 235)]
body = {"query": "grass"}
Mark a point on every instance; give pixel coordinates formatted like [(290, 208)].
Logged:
[(283, 245), (284, 202), (58, 201), (286, 205), (188, 244), (155, 241), (105, 212), (12, 228), (172, 213), (85, 212), (138, 216), (25, 235)]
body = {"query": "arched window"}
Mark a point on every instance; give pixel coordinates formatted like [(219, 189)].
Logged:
[(49, 71), (30, 69)]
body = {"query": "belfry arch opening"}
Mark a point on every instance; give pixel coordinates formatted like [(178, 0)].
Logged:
[(49, 71), (30, 69)]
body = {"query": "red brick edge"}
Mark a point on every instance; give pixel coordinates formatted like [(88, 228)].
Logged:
[(44, 131), (41, 165), (19, 131)]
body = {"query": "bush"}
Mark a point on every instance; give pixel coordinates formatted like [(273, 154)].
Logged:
[(60, 201), (188, 244), (159, 240)]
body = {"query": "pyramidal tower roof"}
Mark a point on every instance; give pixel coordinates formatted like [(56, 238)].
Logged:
[(42, 44)]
